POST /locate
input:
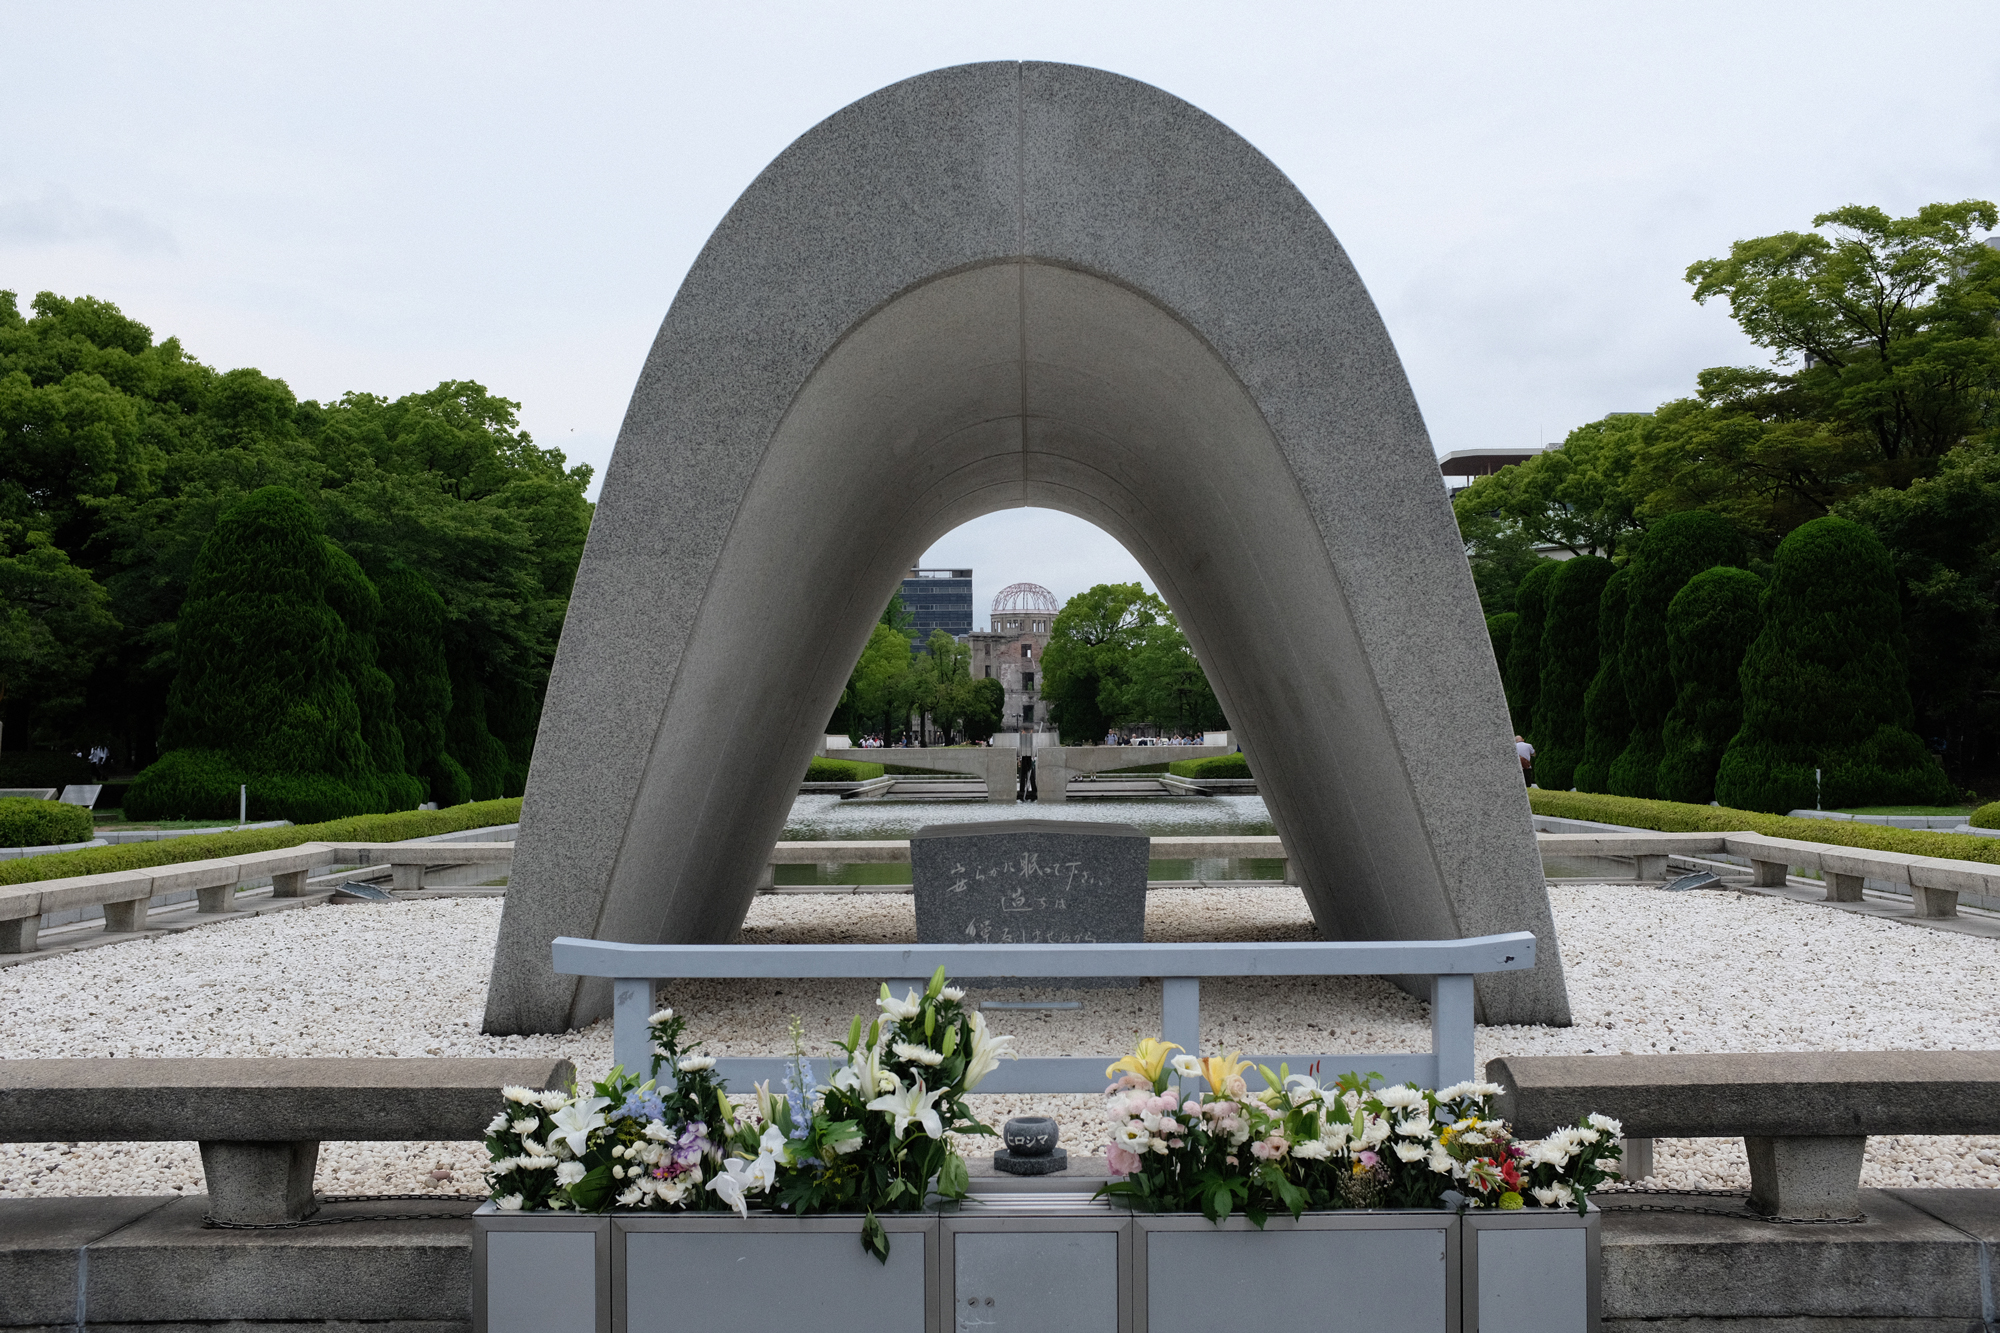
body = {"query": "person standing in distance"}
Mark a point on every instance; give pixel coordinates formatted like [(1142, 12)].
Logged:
[(1527, 755)]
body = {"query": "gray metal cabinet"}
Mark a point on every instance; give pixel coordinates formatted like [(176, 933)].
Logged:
[(1062, 1271), (1531, 1271)]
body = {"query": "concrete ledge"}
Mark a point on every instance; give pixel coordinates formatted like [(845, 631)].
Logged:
[(1783, 1094), (273, 1100)]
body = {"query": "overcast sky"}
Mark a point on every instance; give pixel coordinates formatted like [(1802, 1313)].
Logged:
[(380, 197)]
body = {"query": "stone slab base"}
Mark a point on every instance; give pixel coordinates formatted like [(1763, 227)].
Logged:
[(1913, 1265)]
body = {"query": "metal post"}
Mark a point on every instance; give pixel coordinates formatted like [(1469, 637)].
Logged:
[(631, 1041), (1180, 1012), (243, 803), (1451, 1029)]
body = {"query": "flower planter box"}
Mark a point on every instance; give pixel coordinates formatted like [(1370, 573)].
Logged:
[(1037, 1265)]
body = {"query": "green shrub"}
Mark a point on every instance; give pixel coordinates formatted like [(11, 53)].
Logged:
[(26, 822), (1825, 686), (1676, 548), (1986, 816), (1569, 665), (1500, 632), (822, 769), (1710, 624), (1215, 766), (397, 827), (1677, 817), (1523, 673), (1607, 722)]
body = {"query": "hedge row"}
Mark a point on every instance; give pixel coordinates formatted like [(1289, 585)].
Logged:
[(822, 769), (26, 822), (1676, 817), (1219, 766), (170, 851)]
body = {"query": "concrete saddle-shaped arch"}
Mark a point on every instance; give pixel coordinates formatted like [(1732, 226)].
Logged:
[(1000, 285)]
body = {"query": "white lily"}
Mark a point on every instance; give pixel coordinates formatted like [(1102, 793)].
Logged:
[(908, 1007), (575, 1122), (911, 1105), (984, 1056), (772, 1144)]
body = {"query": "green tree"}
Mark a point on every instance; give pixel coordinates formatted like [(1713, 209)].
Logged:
[(1165, 683), (1578, 497), (354, 598), (1523, 675), (876, 683), (1086, 666), (411, 651), (281, 716), (1893, 318), (1943, 536), (1568, 665), (1675, 549), (1824, 685), (54, 625), (1500, 633), (989, 705), (1710, 624), (1607, 718)]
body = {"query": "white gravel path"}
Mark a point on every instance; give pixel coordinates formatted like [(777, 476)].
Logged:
[(1648, 971)]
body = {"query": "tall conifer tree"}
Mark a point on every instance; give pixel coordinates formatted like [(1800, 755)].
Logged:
[(1607, 721), (1710, 624), (1523, 674), (1569, 665)]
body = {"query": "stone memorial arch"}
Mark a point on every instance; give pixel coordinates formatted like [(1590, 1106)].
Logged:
[(986, 287)]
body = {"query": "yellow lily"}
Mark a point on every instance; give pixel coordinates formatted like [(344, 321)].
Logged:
[(1219, 1070), (1147, 1061)]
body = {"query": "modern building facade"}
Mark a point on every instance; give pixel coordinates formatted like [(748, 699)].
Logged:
[(1011, 652), (938, 599)]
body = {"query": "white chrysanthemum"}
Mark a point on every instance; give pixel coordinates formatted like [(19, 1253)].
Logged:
[(569, 1173), (523, 1095), (952, 993), (527, 1124), (510, 1203), (1402, 1097), (498, 1123), (664, 1016), (535, 1163), (1440, 1161), (917, 1055), (1605, 1123), (552, 1100), (694, 1064), (1409, 1151), (1313, 1150), (1416, 1127)]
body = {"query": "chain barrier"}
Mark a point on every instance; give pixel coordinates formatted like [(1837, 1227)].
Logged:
[(1742, 1215), (214, 1225)]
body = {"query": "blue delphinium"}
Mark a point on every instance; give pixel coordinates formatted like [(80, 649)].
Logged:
[(640, 1105)]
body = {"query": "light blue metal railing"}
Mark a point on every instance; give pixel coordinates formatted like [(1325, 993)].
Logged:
[(1450, 964)]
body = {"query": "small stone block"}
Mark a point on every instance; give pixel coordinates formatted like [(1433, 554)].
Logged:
[(1016, 1165), (1843, 888), (288, 884), (126, 917), (18, 935), (407, 877), (1934, 903), (260, 1182), (1816, 1177), (215, 899), (1768, 874)]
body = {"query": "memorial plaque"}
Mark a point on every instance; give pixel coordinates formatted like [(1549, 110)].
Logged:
[(1031, 881)]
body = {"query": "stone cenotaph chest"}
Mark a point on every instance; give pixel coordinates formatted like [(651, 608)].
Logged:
[(1030, 881)]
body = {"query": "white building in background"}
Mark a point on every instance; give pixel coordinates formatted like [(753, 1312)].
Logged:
[(1011, 652)]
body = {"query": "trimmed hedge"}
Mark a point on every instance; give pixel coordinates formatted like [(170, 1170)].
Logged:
[(1500, 633), (822, 769), (1825, 686), (1523, 673), (1569, 665), (1607, 721), (1709, 627), (1679, 817), (1986, 816), (1215, 766), (26, 822), (171, 851), (1676, 548)]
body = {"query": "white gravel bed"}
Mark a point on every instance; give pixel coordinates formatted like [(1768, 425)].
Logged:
[(1648, 971)]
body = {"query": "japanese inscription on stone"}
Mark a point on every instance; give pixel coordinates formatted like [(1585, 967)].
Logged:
[(1030, 881)]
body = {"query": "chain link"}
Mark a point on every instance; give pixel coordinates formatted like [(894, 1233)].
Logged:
[(214, 1225), (1743, 1215)]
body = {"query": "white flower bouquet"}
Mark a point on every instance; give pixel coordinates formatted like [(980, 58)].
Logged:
[(1187, 1134), (872, 1138)]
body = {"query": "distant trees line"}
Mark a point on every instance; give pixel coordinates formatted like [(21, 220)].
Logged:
[(352, 606), (1794, 570), (895, 691)]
